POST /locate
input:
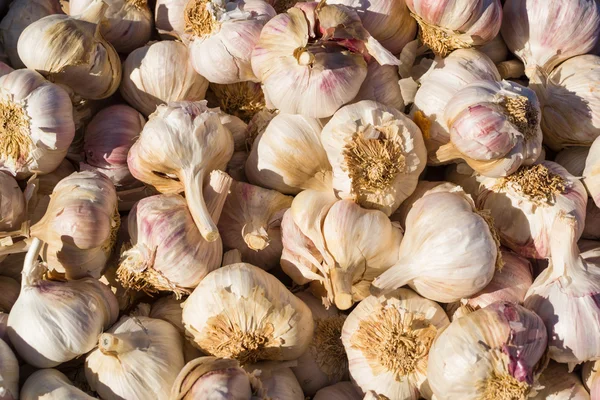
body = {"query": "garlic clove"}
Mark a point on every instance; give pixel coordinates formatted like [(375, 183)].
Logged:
[(51, 384), (591, 173), (559, 384), (339, 391)]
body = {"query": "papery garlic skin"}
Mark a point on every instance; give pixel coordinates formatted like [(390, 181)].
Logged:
[(590, 377), (534, 31), (51, 384), (222, 36), (55, 321), (387, 339), (277, 380), (254, 318), (160, 73), (12, 203), (38, 126), (339, 391), (573, 159), (591, 173), (559, 384), (377, 155), (496, 353), (128, 22), (448, 25), (9, 373)]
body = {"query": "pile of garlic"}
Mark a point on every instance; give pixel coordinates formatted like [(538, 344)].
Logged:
[(300, 200)]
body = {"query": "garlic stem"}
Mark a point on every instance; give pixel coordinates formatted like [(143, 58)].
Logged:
[(342, 288), (511, 69), (115, 343), (233, 256), (193, 182), (564, 251), (32, 270), (216, 192), (255, 235), (94, 12)]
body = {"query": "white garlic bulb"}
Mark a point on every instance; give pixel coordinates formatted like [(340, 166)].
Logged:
[(51, 384), (382, 85), (377, 154), (591, 173), (251, 223), (9, 373), (434, 259), (169, 18), (137, 358), (42, 187), (222, 35), (560, 384), (240, 311), (180, 145), (339, 391), (160, 73), (493, 353), (56, 321), (12, 204), (591, 378), (533, 30), (38, 127), (387, 339), (573, 159), (421, 190), (71, 51), (448, 25)]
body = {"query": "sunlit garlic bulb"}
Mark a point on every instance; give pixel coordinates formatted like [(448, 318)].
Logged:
[(12, 204), (591, 173), (169, 18), (44, 185), (382, 85), (51, 384)]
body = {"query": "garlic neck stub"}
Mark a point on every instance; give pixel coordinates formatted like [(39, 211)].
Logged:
[(591, 173), (500, 348), (51, 384)]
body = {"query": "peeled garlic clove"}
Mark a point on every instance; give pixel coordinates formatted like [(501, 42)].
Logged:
[(339, 391), (377, 155), (128, 22), (494, 127), (591, 173), (56, 321), (38, 127), (387, 339), (243, 99), (137, 358), (71, 51), (12, 204), (559, 384), (591, 229), (251, 223), (535, 33), (223, 35), (288, 155), (590, 377), (178, 148), (573, 159), (160, 73), (242, 312), (449, 25), (436, 261), (493, 353), (50, 384), (169, 18), (382, 85)]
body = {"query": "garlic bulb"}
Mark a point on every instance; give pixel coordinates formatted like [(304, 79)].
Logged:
[(494, 127), (178, 148), (128, 22), (277, 380), (440, 84), (160, 73), (20, 15), (559, 384), (421, 190), (38, 127), (377, 155), (496, 50), (251, 223), (243, 99), (311, 59), (494, 353), (449, 25), (240, 311), (339, 391), (223, 34), (387, 339), (564, 294), (56, 321), (573, 159), (50, 384), (448, 252), (72, 52), (534, 31), (590, 377), (591, 229), (168, 253), (9, 373), (12, 204), (137, 358), (42, 187), (288, 155), (108, 138), (169, 18), (382, 85), (591, 173)]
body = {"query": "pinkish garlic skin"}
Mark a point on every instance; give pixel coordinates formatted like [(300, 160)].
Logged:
[(226, 384)]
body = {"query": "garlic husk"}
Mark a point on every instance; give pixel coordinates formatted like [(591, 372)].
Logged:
[(51, 384), (382, 85), (325, 362), (564, 294), (494, 127), (496, 50), (251, 223), (223, 35), (315, 77), (559, 384), (590, 377), (9, 373), (137, 358), (38, 127), (339, 391), (591, 230), (377, 154), (20, 15), (128, 23), (591, 173), (160, 73), (436, 262), (169, 18), (421, 190), (497, 352), (240, 311), (12, 204), (449, 25), (108, 138), (178, 148), (573, 159), (288, 155), (446, 77), (533, 31), (242, 99), (168, 252), (55, 321), (71, 51)]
